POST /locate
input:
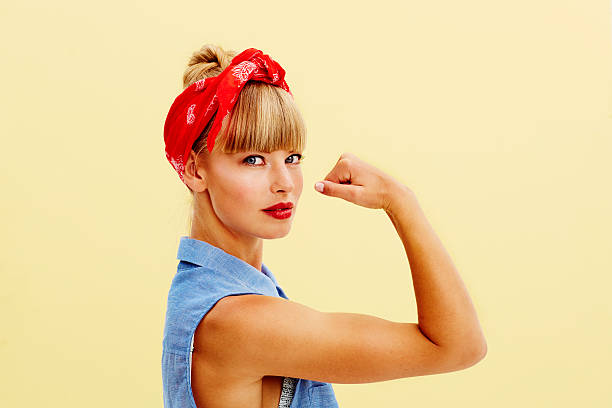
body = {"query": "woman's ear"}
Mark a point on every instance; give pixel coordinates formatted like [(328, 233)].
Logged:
[(194, 177)]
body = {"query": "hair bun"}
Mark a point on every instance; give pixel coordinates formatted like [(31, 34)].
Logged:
[(208, 61)]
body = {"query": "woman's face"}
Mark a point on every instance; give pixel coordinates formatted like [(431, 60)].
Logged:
[(242, 185)]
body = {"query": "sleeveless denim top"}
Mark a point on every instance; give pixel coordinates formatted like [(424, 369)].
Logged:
[(204, 275)]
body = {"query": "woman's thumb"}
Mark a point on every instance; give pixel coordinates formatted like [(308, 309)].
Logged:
[(334, 189)]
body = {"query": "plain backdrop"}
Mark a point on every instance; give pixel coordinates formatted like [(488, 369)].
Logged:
[(497, 114)]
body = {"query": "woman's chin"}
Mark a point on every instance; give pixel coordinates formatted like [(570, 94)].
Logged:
[(275, 233)]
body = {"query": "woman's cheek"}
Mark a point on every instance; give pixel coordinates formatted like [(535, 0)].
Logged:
[(246, 194)]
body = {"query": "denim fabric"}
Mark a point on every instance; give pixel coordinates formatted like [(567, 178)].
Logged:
[(204, 275)]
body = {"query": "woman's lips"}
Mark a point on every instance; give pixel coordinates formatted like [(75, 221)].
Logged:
[(280, 213), (280, 206)]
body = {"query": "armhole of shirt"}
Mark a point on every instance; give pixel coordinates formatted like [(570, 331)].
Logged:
[(190, 354)]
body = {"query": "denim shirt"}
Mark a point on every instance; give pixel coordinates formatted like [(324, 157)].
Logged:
[(204, 275)]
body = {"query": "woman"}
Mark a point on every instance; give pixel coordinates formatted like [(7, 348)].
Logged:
[(232, 338)]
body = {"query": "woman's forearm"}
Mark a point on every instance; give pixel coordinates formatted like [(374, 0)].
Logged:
[(445, 311)]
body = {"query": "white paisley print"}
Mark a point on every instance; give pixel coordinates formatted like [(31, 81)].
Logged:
[(243, 70), (200, 84), (190, 115)]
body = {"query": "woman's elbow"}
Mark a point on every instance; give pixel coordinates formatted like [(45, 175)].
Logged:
[(473, 354), (479, 352)]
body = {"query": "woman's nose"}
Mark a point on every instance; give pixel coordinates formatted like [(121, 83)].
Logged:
[(281, 179)]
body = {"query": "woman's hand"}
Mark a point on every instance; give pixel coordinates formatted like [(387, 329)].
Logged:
[(356, 181)]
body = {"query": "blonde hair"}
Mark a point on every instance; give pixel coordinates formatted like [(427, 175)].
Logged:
[(265, 117)]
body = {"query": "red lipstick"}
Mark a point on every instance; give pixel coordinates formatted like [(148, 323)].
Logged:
[(280, 210), (280, 206)]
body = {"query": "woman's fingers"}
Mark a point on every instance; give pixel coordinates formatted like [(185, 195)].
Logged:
[(354, 180), (347, 192)]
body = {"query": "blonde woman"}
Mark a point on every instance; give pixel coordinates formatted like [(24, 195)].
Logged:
[(232, 338)]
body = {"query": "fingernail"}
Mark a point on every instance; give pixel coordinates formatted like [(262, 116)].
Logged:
[(319, 187)]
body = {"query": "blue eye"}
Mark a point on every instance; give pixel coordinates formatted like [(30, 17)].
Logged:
[(249, 162)]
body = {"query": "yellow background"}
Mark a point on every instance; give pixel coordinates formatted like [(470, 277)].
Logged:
[(497, 114)]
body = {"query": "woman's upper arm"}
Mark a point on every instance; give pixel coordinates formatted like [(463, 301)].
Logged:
[(272, 336)]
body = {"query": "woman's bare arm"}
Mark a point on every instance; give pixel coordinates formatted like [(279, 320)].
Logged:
[(446, 315)]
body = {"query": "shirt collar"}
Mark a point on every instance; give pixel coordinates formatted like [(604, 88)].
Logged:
[(204, 254)]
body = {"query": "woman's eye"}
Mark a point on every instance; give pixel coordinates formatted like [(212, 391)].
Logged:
[(299, 156), (251, 160)]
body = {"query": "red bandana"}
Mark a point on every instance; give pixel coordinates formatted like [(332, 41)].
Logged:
[(194, 107)]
